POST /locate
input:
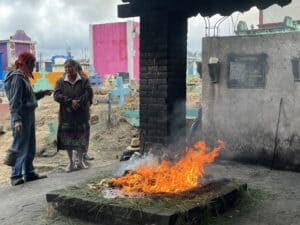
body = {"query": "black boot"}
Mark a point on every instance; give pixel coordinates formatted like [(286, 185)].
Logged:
[(16, 181), (33, 177)]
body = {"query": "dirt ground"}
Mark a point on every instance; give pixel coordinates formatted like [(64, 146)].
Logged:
[(106, 141)]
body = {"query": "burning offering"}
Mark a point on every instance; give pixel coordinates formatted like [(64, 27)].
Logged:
[(168, 177)]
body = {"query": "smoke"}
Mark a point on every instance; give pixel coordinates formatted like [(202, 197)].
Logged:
[(136, 161), (179, 132)]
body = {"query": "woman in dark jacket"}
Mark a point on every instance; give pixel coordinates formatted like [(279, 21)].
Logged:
[(22, 102), (73, 93)]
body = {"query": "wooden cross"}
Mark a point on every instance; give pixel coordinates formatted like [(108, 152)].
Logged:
[(120, 91)]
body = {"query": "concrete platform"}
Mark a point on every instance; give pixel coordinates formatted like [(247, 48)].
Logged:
[(186, 208)]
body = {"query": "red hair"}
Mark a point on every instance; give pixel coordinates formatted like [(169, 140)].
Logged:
[(26, 63)]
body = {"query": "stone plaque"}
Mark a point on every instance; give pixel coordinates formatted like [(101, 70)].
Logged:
[(296, 68), (247, 71)]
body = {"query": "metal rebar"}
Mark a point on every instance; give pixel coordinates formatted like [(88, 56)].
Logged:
[(276, 134)]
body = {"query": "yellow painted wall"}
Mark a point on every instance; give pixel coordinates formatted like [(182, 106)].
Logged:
[(51, 76), (36, 77)]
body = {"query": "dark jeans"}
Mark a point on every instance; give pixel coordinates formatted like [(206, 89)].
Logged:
[(24, 145)]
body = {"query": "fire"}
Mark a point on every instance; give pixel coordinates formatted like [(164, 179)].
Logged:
[(170, 177)]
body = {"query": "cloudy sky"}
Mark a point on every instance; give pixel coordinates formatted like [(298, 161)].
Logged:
[(197, 26), (55, 24), (60, 24)]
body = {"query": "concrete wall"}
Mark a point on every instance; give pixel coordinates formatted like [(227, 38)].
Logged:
[(115, 48), (110, 48), (246, 118), (136, 50), (3, 50), (22, 47), (1, 69)]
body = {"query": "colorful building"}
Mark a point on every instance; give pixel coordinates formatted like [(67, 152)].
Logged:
[(1, 68), (115, 48), (59, 60), (11, 48)]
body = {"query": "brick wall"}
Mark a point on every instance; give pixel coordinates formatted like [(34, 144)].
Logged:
[(162, 81)]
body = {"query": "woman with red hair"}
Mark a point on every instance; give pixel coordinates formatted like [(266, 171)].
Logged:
[(22, 102)]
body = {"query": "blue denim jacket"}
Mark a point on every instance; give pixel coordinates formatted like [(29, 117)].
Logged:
[(20, 94)]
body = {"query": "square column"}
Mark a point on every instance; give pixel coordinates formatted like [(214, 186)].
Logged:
[(163, 50)]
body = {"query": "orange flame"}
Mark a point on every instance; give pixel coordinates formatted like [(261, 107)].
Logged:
[(170, 177)]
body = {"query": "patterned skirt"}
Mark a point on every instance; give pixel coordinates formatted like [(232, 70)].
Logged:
[(73, 136)]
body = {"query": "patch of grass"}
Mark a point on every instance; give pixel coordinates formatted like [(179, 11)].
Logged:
[(157, 204), (247, 199), (58, 219), (220, 220), (251, 197), (62, 220)]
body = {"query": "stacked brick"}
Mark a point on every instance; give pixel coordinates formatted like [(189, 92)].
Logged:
[(162, 79)]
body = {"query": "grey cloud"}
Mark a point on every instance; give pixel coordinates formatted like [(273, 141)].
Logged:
[(21, 3), (57, 24), (102, 9)]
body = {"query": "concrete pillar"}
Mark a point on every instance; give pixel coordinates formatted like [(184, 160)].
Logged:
[(130, 49), (91, 45)]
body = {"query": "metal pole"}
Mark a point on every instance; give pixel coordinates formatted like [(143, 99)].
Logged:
[(276, 134), (109, 109)]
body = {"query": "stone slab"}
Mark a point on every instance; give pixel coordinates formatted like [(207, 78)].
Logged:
[(187, 208)]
